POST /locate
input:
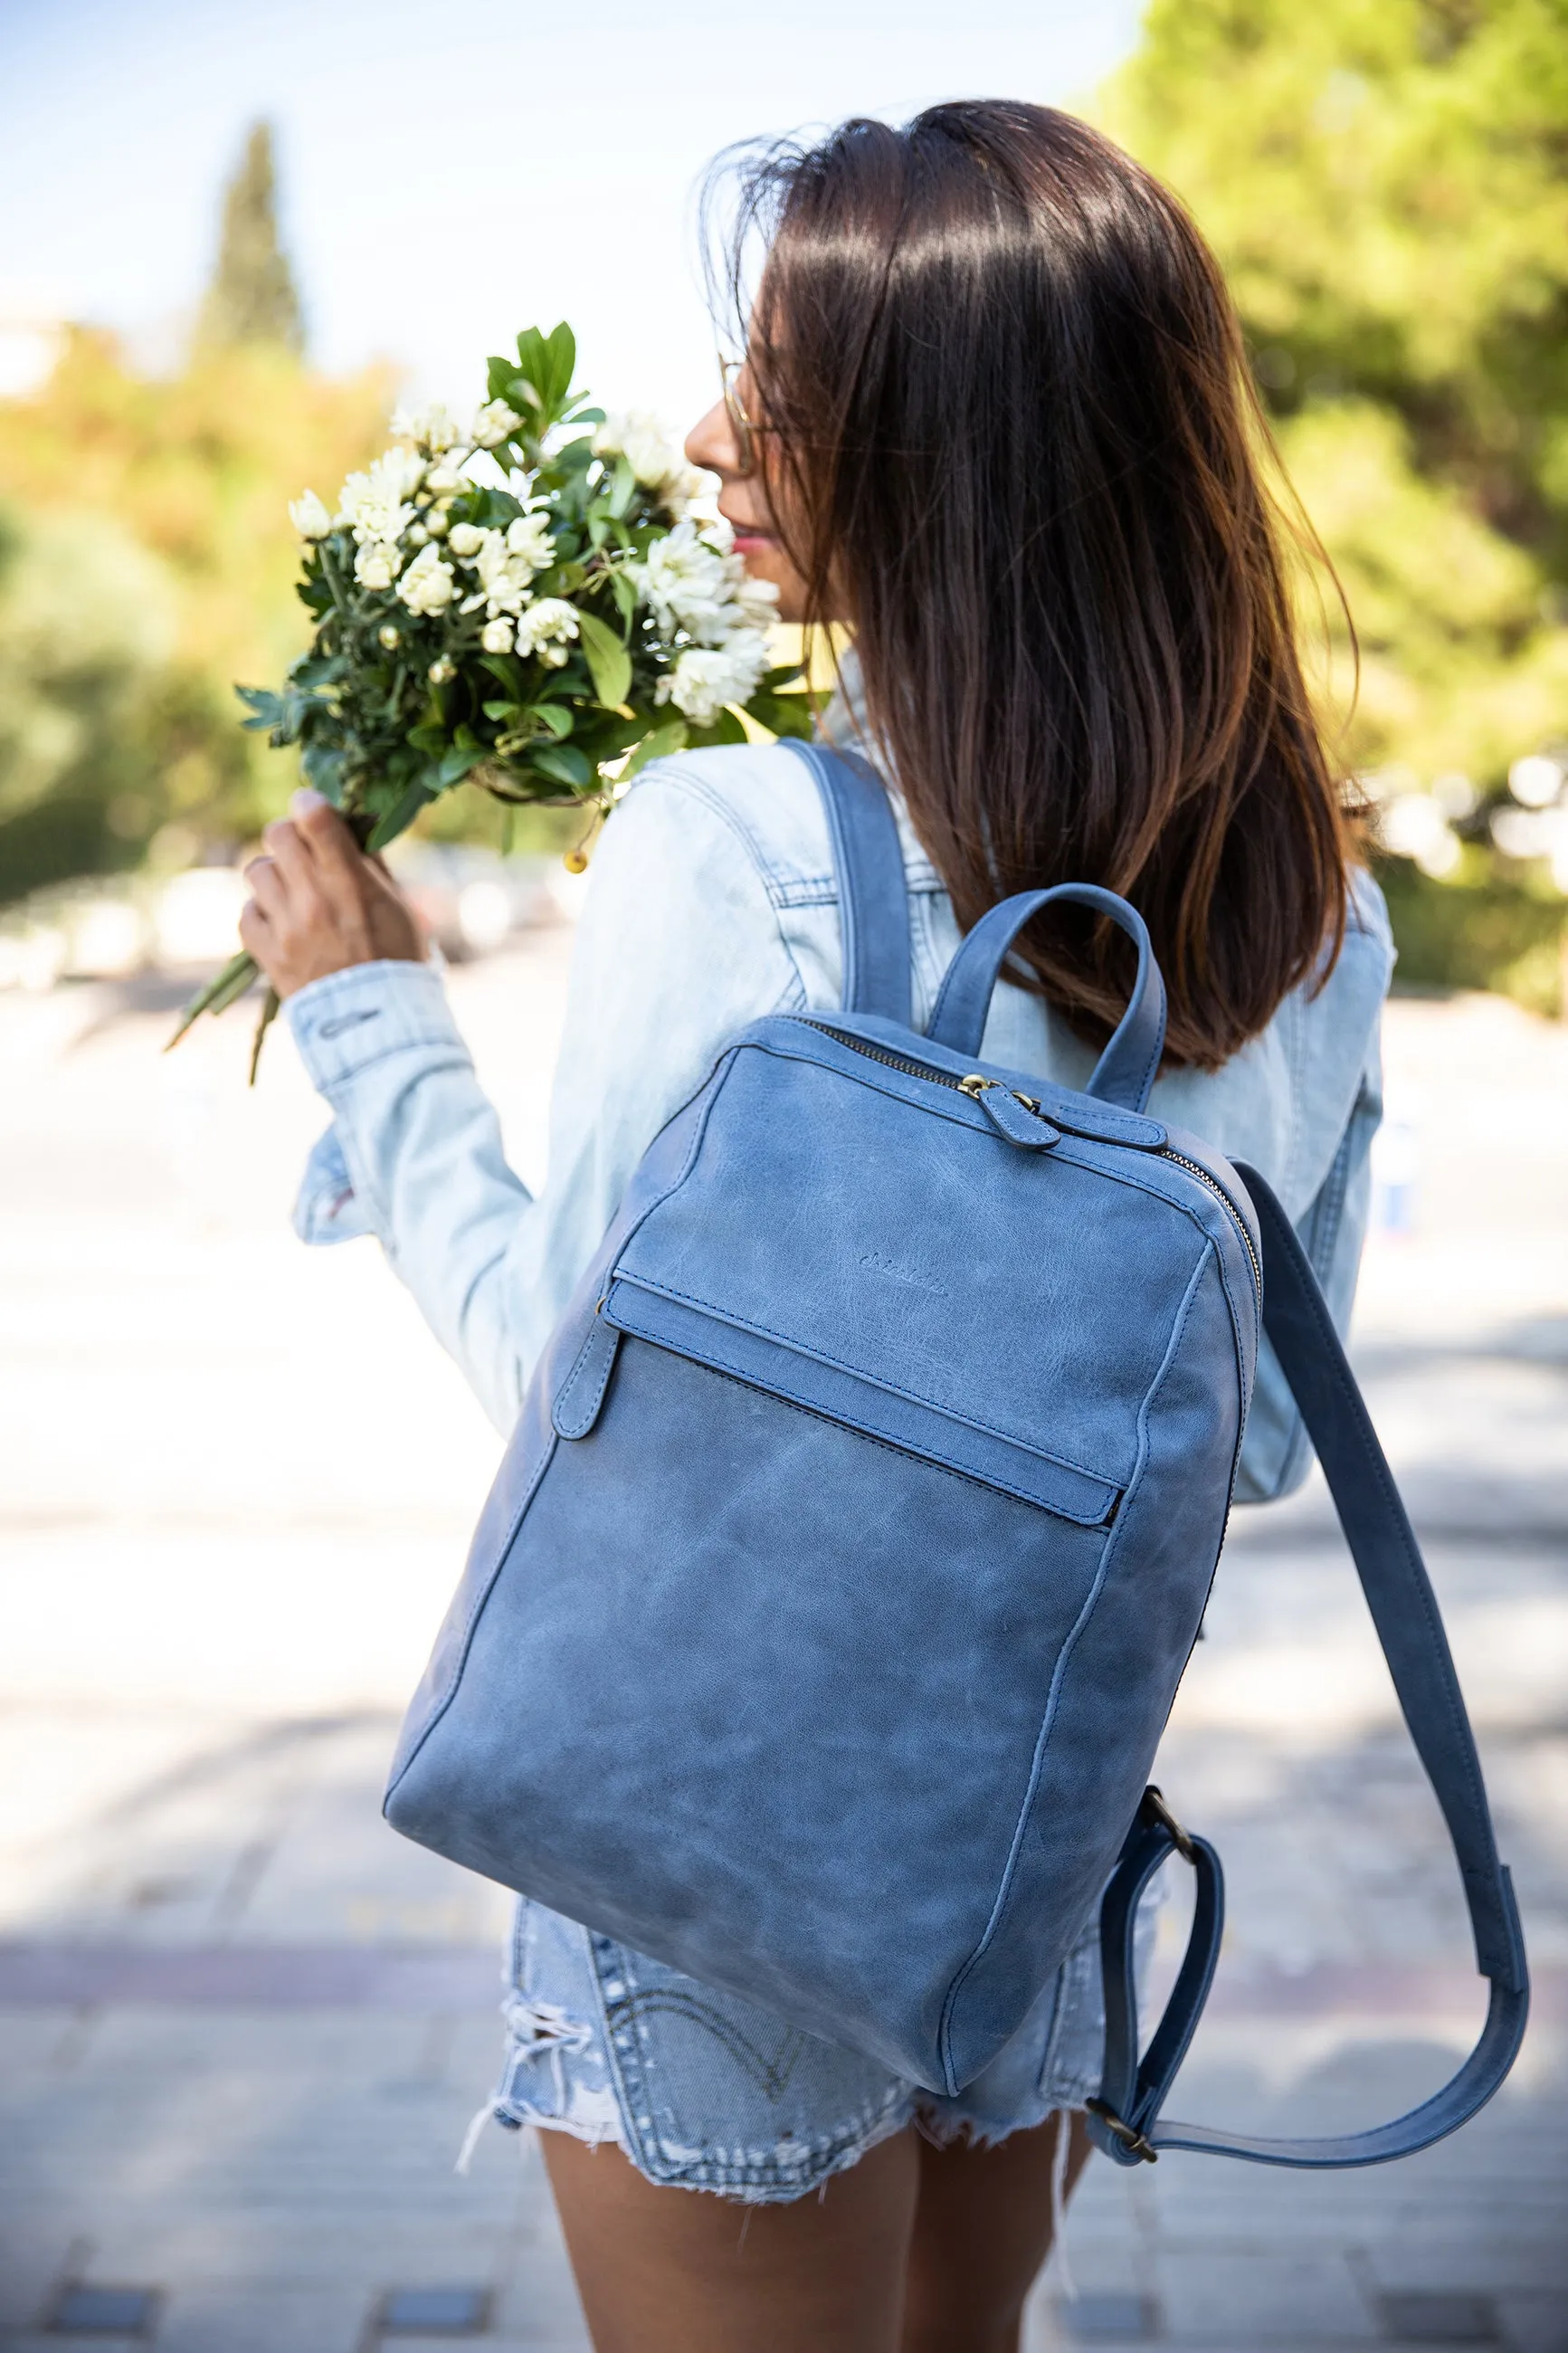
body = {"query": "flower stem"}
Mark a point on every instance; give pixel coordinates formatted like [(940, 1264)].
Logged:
[(268, 1015), (222, 991)]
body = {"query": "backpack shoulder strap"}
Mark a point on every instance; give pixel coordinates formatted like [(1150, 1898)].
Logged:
[(1124, 2120), (873, 901)]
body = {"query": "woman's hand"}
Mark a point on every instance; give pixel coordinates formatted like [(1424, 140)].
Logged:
[(320, 904)]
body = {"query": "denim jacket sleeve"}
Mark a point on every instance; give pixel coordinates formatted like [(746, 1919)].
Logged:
[(677, 948)]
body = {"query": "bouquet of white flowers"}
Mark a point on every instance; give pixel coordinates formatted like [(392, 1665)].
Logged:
[(528, 607)]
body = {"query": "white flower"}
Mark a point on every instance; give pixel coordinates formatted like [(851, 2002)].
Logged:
[(690, 581), (496, 636), (442, 671), (528, 539), (464, 539), (309, 517), (374, 504), (444, 481), (376, 565), (678, 490), (757, 601), (494, 423), (505, 563), (545, 628), (641, 440), (427, 585), (706, 678), (431, 427)]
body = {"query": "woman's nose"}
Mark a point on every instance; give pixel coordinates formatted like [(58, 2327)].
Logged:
[(711, 443)]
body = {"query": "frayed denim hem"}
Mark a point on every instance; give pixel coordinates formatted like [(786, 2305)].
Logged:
[(945, 2131)]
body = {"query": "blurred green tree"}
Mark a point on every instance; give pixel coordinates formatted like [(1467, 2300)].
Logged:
[(189, 479), (252, 297), (1387, 188)]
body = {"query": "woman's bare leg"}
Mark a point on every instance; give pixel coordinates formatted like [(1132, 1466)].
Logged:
[(982, 2230), (680, 2270)]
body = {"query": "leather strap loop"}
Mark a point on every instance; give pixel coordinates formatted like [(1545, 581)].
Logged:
[(873, 897), (1405, 1611), (1125, 1072)]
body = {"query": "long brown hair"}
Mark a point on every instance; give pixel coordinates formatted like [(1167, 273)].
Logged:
[(1012, 420)]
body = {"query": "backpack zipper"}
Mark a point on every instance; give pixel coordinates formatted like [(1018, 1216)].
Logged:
[(1213, 1184), (976, 1084)]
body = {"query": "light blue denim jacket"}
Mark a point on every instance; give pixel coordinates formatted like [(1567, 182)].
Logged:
[(713, 902)]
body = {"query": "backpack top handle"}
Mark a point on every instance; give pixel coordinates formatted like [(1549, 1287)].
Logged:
[(873, 902), (1125, 1072)]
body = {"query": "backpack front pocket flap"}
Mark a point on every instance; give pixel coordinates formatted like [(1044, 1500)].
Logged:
[(820, 1386), (880, 1224)]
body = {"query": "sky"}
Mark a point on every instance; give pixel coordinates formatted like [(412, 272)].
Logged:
[(449, 176)]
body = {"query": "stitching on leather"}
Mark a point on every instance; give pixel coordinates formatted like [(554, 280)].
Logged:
[(909, 1452), (547, 1457), (1114, 1538), (561, 1410), (964, 1421), (476, 1612)]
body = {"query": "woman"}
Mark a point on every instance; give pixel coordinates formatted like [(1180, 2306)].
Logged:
[(995, 417)]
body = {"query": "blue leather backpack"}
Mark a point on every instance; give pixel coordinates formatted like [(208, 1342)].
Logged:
[(823, 1619)]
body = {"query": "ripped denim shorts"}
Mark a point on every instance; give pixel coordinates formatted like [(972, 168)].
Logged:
[(708, 2092)]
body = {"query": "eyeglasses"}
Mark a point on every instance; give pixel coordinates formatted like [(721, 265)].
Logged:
[(745, 432)]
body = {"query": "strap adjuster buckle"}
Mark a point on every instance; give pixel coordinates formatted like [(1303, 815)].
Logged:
[(1153, 1809), (1128, 2135)]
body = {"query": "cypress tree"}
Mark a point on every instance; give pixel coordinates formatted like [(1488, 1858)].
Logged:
[(252, 297)]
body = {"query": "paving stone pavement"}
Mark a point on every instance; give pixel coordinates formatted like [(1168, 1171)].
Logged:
[(243, 2027)]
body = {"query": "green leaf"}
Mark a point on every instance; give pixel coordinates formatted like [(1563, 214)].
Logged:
[(266, 708), (563, 763), (625, 595), (453, 768), (321, 766), (557, 717), (534, 380), (399, 818), (783, 714), (726, 729), (318, 670), (658, 746), (500, 710), (562, 350), (609, 664), (624, 488)]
